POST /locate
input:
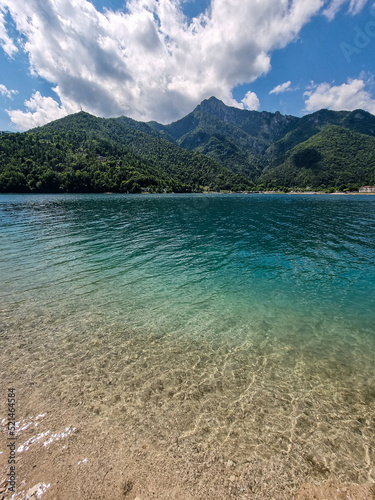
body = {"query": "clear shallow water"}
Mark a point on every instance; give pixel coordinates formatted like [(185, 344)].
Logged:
[(232, 324)]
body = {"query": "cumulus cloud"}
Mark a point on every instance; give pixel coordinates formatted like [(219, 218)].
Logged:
[(283, 87), (41, 110), (251, 101), (149, 61), (348, 96), (7, 93)]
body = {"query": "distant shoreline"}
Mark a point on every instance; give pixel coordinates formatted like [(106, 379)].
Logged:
[(351, 193), (320, 192)]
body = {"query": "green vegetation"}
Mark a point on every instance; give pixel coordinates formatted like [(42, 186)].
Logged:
[(335, 157), (322, 151), (235, 138), (213, 148), (82, 153)]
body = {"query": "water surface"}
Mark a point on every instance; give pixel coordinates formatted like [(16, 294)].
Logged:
[(233, 324)]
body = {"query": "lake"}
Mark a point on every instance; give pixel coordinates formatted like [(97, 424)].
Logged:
[(241, 326)]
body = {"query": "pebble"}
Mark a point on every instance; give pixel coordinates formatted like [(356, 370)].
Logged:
[(232, 479), (230, 463)]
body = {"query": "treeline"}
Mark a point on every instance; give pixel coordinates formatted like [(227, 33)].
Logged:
[(82, 153), (34, 162)]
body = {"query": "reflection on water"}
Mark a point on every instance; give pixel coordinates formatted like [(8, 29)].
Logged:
[(239, 325)]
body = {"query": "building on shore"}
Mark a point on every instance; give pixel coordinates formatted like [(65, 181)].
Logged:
[(367, 189)]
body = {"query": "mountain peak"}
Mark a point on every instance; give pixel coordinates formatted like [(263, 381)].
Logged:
[(217, 108), (210, 105), (212, 100)]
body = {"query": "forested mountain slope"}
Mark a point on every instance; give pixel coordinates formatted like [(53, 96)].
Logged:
[(215, 147), (82, 153)]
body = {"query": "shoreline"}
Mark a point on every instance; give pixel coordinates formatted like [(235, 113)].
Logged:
[(189, 193), (333, 194), (314, 193)]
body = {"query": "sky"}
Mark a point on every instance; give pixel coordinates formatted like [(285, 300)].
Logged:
[(158, 59)]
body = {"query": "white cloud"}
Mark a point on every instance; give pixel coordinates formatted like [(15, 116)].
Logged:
[(6, 42), (348, 96), (251, 101), (355, 6), (283, 87), (7, 93), (150, 62), (41, 110)]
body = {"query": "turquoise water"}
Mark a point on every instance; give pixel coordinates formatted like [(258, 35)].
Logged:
[(244, 323)]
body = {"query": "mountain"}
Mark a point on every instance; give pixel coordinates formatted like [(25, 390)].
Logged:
[(214, 147), (83, 153), (334, 156), (358, 121), (261, 145), (235, 138)]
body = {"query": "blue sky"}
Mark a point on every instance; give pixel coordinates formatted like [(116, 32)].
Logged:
[(158, 59)]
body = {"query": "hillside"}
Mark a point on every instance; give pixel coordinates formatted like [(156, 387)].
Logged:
[(82, 153), (358, 121), (335, 156), (260, 146), (235, 138), (214, 147)]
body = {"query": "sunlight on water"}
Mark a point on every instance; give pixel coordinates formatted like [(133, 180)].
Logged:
[(238, 323)]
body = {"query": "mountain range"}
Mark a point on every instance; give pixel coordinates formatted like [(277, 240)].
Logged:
[(215, 147)]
